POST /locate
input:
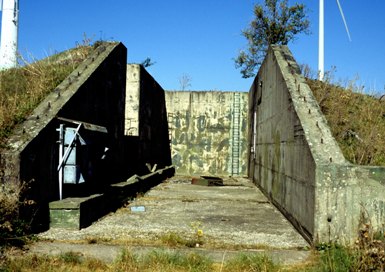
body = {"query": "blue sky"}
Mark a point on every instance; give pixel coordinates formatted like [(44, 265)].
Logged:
[(201, 38)]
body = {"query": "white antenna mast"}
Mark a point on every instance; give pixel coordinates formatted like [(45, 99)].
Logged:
[(321, 42), (9, 31)]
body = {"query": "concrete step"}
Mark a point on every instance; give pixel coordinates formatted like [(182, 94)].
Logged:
[(80, 212)]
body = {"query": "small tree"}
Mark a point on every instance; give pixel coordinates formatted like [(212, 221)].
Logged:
[(275, 23), (185, 82)]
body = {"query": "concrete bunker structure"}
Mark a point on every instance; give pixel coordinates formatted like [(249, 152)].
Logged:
[(276, 134), (91, 101), (297, 162)]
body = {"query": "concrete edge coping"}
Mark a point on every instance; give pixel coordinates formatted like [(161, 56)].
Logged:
[(72, 203), (134, 179), (42, 115)]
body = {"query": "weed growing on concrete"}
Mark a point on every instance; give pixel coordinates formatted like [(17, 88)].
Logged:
[(173, 239), (197, 233)]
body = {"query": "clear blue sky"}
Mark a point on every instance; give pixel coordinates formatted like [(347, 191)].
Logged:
[(201, 38)]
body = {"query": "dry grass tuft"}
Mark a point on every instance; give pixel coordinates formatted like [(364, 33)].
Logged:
[(13, 229), (9, 206), (371, 248)]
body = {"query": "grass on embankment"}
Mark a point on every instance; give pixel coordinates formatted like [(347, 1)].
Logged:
[(22, 89), (356, 120)]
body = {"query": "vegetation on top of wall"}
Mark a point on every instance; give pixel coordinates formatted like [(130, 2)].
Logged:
[(357, 121), (23, 88)]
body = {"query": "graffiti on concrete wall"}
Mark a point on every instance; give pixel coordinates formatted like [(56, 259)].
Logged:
[(208, 132)]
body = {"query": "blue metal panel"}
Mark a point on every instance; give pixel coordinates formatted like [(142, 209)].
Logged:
[(72, 173), (70, 133)]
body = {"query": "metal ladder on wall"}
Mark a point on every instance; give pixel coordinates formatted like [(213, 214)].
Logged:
[(170, 121), (235, 149)]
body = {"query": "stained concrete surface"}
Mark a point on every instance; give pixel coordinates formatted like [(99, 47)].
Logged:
[(234, 216), (208, 132)]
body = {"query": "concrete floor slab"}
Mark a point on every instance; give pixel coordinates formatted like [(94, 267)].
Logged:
[(236, 215), (235, 218)]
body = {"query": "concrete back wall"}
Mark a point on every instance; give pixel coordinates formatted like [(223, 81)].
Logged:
[(296, 161), (208, 132)]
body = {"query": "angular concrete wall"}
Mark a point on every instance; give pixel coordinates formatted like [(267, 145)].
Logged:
[(296, 161), (93, 93), (208, 132), (146, 126)]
